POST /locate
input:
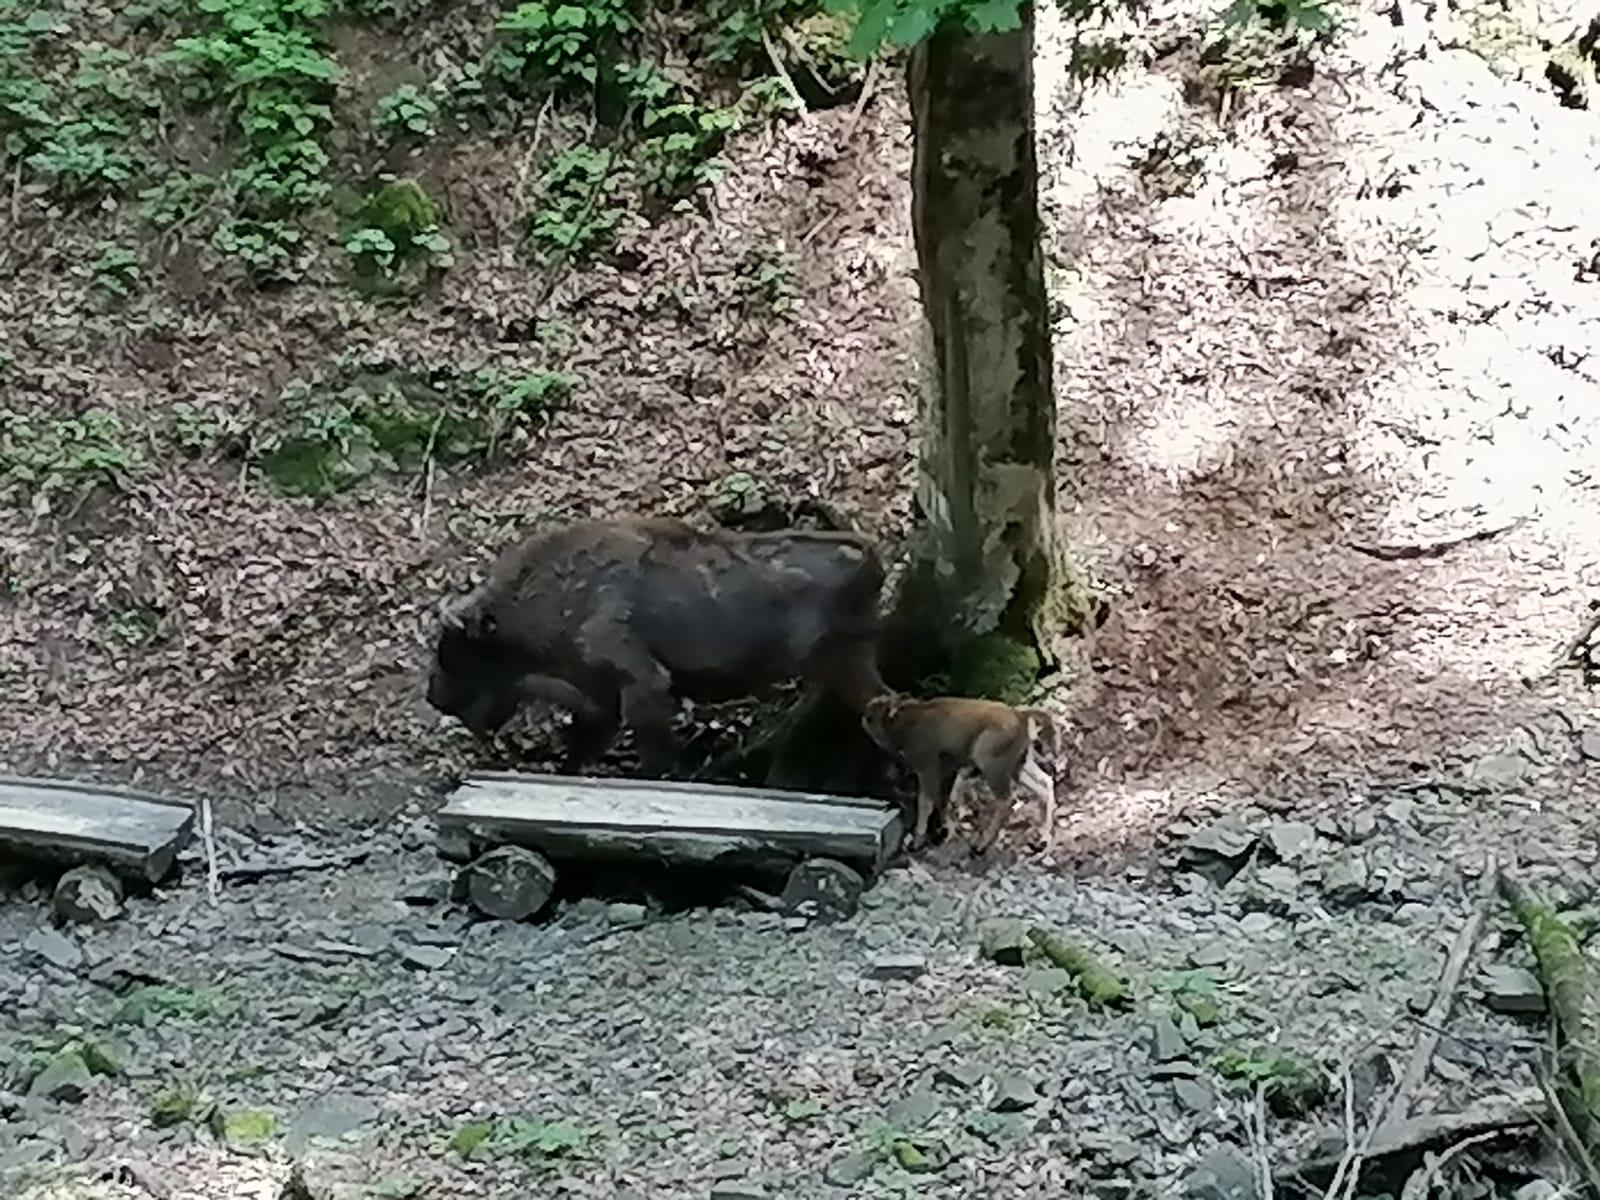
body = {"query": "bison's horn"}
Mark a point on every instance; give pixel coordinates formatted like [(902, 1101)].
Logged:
[(452, 611)]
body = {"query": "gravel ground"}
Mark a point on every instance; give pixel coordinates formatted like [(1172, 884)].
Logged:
[(619, 1049)]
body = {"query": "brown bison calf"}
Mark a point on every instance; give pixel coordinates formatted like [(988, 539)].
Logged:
[(618, 620)]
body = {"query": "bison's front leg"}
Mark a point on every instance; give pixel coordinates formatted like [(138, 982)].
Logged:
[(592, 732), (646, 688), (594, 719)]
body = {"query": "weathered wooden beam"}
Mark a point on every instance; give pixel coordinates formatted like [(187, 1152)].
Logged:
[(574, 817), (59, 820)]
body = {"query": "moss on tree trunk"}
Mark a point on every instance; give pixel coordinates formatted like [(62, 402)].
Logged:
[(988, 574)]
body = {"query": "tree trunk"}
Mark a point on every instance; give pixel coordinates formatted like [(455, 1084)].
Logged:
[(988, 574)]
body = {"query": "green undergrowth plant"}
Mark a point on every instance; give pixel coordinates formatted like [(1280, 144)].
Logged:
[(42, 455), (1252, 41), (174, 197), (765, 279), (407, 111), (329, 436), (265, 61), (578, 207), (397, 226), (558, 46), (71, 109), (267, 251), (115, 270)]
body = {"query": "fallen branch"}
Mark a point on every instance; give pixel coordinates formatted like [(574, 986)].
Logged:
[(1433, 1022), (1569, 1136), (1494, 1115), (1564, 972), (248, 872), (1096, 983), (1577, 642), (1393, 552), (1420, 1185)]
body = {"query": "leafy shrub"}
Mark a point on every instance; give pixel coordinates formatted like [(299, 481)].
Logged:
[(1255, 40), (680, 138), (263, 57), (328, 439), (84, 157), (577, 211), (408, 111), (558, 46), (54, 454), (738, 25), (115, 270), (167, 202), (268, 250), (765, 279)]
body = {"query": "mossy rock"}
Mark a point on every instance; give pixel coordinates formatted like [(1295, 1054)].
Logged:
[(402, 210)]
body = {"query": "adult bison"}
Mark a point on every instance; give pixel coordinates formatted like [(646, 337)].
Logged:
[(618, 620)]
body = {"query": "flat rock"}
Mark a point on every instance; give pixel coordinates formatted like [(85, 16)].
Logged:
[(333, 1116), (958, 1075), (1223, 1174), (738, 1191), (430, 890), (1167, 1043), (1014, 1093), (1212, 954), (425, 958), (1217, 850), (1346, 877), (1195, 1095), (54, 947), (65, 1078), (1047, 981), (1589, 747), (1291, 841), (626, 914), (1004, 941), (1254, 924), (1508, 989), (897, 966), (849, 1170), (1360, 826), (1499, 771)]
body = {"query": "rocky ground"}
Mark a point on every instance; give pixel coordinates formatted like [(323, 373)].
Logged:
[(348, 1024)]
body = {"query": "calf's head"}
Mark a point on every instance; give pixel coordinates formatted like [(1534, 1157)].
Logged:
[(474, 677)]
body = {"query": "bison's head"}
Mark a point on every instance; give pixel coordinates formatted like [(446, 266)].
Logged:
[(473, 678)]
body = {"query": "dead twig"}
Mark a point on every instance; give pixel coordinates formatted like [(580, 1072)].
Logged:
[(1421, 1180), (1394, 552), (427, 475), (1443, 998), (208, 844), (867, 84), (1568, 1133), (1256, 1124), (783, 74)]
